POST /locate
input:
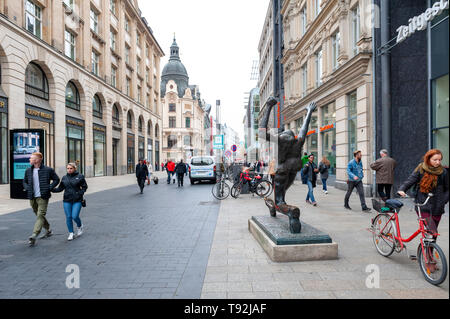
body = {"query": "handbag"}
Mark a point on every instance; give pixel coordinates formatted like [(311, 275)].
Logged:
[(83, 203)]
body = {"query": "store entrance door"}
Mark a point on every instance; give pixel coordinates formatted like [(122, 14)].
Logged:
[(115, 153), (75, 153)]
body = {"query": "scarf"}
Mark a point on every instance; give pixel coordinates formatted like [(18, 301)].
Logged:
[(430, 176)]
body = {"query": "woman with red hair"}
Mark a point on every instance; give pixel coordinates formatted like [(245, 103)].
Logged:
[(429, 177)]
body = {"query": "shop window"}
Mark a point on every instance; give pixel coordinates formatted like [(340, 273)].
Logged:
[(440, 125), (140, 125), (72, 97), (352, 125), (97, 109), (116, 115), (129, 120), (36, 83)]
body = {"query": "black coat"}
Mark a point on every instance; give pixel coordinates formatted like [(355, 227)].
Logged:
[(180, 168), (308, 171), (74, 186), (46, 174), (436, 204), (141, 171)]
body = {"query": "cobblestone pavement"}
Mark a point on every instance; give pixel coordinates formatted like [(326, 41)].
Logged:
[(239, 268), (154, 245)]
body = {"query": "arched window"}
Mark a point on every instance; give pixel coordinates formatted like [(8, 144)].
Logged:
[(72, 96), (129, 120), (116, 115), (156, 131), (97, 109), (36, 83), (171, 141), (149, 128), (140, 124)]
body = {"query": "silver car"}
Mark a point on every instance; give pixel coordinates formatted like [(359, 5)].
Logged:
[(202, 168)]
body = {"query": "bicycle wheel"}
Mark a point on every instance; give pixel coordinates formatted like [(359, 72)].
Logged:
[(236, 190), (221, 190), (263, 189), (435, 268), (383, 234)]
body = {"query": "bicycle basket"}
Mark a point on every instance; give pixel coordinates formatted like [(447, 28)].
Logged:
[(376, 205)]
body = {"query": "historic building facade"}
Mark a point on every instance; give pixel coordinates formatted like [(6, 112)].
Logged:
[(88, 73), (327, 58), (183, 112)]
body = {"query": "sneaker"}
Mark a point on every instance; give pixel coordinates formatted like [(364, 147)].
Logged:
[(314, 203), (32, 240), (366, 209), (70, 236), (326, 192), (80, 231), (47, 234), (347, 207)]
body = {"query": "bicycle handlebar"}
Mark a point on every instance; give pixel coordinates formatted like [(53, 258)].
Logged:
[(417, 204)]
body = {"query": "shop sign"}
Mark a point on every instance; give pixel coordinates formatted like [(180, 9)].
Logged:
[(38, 114), (74, 122), (420, 22), (326, 127), (3, 105), (99, 128), (311, 132)]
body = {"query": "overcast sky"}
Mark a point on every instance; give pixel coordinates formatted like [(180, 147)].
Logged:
[(218, 42)]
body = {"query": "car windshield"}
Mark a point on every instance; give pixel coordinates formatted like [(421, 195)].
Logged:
[(202, 161)]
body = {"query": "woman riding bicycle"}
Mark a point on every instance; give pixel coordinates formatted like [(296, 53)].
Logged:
[(430, 177)]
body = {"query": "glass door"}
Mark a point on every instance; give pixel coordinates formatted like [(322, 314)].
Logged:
[(75, 153), (115, 148)]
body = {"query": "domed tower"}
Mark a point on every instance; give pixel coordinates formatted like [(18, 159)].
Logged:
[(174, 70)]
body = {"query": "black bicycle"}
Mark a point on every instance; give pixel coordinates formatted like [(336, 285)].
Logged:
[(257, 185)]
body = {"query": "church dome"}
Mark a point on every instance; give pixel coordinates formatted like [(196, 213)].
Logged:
[(174, 70)]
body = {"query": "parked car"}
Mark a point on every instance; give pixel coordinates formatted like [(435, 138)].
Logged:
[(202, 168)]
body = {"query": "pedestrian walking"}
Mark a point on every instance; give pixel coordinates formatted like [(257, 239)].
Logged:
[(324, 166), (355, 177), (162, 166), (429, 177), (150, 171), (170, 167), (180, 170), (187, 169), (384, 167), (304, 161), (38, 187), (310, 171), (141, 174), (74, 186)]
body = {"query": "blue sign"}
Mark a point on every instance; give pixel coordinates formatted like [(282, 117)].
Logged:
[(218, 142), (234, 148)]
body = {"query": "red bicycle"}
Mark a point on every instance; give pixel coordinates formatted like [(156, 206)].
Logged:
[(387, 238), (257, 185)]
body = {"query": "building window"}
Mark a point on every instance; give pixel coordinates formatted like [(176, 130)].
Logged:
[(317, 9), (36, 82), (33, 19), (127, 25), (72, 97), (95, 62), (138, 39), (112, 6), (319, 68), (139, 92), (304, 79), (140, 125), (172, 107), (129, 120), (172, 121), (355, 30), (113, 76), (149, 129), (97, 109), (312, 138), (112, 40), (187, 140), (127, 55), (352, 125), (188, 122), (171, 141), (128, 86), (336, 38), (69, 44), (440, 127), (116, 115), (94, 21), (328, 135), (303, 20), (138, 65)]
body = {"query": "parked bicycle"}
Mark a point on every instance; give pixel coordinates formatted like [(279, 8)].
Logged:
[(387, 238), (221, 190), (257, 185)]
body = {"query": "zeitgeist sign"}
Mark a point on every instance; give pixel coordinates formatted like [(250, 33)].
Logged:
[(420, 22)]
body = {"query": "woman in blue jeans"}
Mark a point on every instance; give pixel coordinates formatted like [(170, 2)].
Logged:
[(310, 171), (74, 186)]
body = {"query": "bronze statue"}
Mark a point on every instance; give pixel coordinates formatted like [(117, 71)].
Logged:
[(289, 163)]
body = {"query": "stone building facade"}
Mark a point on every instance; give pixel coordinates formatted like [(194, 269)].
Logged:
[(184, 112), (88, 73), (327, 58)]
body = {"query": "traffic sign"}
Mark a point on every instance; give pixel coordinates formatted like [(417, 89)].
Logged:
[(234, 148), (218, 142), (228, 153)]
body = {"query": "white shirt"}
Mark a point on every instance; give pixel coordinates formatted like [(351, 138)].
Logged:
[(36, 186)]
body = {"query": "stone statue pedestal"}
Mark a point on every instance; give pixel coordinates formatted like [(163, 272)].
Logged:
[(281, 245)]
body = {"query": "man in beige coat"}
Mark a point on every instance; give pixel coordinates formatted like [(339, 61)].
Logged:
[(384, 166)]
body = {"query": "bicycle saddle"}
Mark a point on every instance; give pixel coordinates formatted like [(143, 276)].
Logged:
[(394, 203)]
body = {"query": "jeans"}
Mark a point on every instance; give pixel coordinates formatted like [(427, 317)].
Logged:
[(169, 176), (384, 190), (72, 211), (359, 188), (310, 195), (324, 183), (39, 206)]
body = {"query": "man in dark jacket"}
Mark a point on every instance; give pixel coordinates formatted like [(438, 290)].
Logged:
[(141, 174), (180, 169), (310, 171), (37, 185)]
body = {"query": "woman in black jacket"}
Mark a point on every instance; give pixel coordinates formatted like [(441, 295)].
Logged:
[(180, 169), (310, 171), (429, 177), (74, 186)]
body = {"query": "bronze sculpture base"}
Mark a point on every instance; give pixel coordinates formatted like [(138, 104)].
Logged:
[(290, 211)]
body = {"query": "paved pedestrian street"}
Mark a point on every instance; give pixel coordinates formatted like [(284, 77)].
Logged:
[(181, 243)]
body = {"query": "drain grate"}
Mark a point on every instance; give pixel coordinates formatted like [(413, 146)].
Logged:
[(207, 203)]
